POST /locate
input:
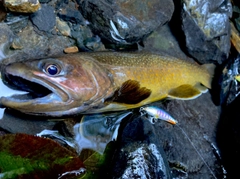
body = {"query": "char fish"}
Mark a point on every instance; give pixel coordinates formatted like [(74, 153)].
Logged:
[(95, 82)]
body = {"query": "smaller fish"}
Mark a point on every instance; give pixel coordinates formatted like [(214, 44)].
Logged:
[(155, 113)]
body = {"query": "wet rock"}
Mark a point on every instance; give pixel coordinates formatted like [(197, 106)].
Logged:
[(44, 19), (85, 39), (190, 145), (3, 12), (16, 22), (18, 123), (37, 45), (126, 22), (72, 49), (228, 137), (63, 27), (229, 86), (22, 6), (6, 38), (140, 154), (163, 41), (69, 12), (44, 1), (207, 30)]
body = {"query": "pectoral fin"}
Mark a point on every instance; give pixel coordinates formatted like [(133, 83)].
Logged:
[(186, 92), (129, 93)]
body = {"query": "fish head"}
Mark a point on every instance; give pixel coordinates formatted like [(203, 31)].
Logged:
[(59, 86)]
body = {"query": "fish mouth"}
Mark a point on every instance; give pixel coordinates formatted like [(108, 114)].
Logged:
[(34, 89), (39, 90)]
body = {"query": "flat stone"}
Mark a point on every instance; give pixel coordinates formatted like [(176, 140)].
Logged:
[(22, 6), (44, 19)]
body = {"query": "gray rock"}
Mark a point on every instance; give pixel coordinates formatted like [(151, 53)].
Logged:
[(16, 22), (70, 13), (6, 38), (190, 145), (37, 45), (207, 30), (140, 154), (44, 19), (14, 122), (126, 22)]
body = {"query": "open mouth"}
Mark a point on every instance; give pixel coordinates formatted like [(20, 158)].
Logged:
[(34, 90)]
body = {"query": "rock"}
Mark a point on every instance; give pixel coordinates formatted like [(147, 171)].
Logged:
[(24, 124), (190, 145), (22, 6), (44, 19), (16, 22), (44, 1), (163, 41), (16, 44), (228, 137), (85, 39), (6, 38), (140, 154), (72, 49), (69, 12), (207, 30), (3, 12), (126, 22), (63, 27), (37, 45)]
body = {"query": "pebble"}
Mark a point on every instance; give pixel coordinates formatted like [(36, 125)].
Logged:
[(63, 27), (72, 49), (22, 6)]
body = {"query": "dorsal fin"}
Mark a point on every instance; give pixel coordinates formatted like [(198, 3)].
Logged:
[(129, 93)]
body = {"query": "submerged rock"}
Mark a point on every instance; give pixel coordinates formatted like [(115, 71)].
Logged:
[(126, 22), (22, 6), (206, 28)]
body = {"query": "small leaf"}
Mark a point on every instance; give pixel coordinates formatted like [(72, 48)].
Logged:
[(27, 156)]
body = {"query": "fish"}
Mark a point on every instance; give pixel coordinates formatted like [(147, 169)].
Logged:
[(155, 113), (96, 82)]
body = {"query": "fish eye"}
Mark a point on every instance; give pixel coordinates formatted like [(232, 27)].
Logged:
[(52, 70)]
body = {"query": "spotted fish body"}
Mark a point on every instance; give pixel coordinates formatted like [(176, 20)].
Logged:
[(155, 113), (102, 81)]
